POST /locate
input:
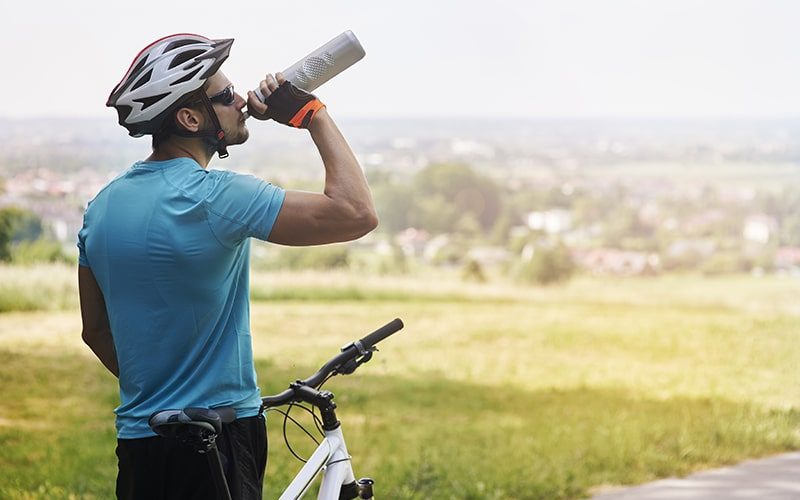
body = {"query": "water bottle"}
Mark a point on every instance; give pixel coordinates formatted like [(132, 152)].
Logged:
[(323, 64)]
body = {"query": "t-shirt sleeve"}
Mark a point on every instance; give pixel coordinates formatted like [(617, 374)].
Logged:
[(242, 206), (82, 260)]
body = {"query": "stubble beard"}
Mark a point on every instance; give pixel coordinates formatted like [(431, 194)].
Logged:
[(232, 138), (239, 136)]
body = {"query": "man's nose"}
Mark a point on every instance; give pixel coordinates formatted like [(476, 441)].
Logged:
[(239, 101)]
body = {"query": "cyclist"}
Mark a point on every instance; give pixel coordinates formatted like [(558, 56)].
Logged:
[(164, 258)]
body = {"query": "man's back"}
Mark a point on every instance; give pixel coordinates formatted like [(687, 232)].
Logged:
[(168, 243)]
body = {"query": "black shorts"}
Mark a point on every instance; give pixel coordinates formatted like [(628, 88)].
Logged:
[(157, 468)]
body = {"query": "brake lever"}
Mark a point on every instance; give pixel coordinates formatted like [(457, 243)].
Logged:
[(350, 366)]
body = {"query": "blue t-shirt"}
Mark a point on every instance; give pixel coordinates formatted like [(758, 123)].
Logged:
[(168, 243)]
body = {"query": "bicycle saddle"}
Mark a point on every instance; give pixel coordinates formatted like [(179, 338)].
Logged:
[(175, 423)]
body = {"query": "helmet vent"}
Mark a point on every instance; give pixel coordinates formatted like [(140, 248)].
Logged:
[(149, 101), (186, 78), (144, 79), (139, 66), (184, 56), (179, 43)]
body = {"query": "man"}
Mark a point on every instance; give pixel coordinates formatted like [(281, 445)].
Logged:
[(164, 258)]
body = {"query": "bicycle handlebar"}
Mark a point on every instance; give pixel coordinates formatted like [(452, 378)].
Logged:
[(349, 353)]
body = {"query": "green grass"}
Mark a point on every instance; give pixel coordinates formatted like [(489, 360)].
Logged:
[(456, 440), (56, 437), (489, 391), (38, 287)]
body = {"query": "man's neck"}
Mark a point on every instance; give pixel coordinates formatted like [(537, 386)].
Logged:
[(180, 148)]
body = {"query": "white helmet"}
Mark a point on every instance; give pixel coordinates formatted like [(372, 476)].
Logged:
[(161, 75)]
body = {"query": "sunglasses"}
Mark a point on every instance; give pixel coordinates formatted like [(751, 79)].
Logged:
[(226, 96)]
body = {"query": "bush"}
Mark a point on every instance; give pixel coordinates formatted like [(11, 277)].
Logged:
[(546, 266), (41, 250), (725, 263), (473, 271), (37, 287), (318, 258)]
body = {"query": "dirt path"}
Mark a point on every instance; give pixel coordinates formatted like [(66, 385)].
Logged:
[(774, 478)]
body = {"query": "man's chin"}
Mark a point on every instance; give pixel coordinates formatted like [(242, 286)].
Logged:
[(241, 136)]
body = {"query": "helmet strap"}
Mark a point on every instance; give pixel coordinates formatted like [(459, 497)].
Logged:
[(217, 136)]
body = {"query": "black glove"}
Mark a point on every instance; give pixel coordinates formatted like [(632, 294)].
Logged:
[(292, 106)]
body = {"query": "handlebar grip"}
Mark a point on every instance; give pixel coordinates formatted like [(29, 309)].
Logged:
[(381, 333), (281, 399)]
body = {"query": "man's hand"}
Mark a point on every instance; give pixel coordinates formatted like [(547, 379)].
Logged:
[(255, 107), (283, 102)]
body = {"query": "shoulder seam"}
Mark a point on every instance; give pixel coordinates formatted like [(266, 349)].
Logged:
[(207, 208), (114, 181), (223, 216)]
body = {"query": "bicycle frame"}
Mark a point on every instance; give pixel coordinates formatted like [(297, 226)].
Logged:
[(332, 453)]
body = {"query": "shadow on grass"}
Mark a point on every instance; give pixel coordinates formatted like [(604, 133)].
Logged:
[(420, 438)]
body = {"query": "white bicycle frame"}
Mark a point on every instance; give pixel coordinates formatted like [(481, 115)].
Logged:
[(332, 460)]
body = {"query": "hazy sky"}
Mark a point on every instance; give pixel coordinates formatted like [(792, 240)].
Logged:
[(434, 58)]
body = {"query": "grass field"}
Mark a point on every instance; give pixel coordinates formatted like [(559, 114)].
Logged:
[(490, 391)]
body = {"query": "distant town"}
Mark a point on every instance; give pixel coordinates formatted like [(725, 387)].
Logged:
[(620, 197)]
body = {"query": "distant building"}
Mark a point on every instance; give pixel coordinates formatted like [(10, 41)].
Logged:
[(614, 261), (759, 228), (554, 221), (412, 241), (470, 148), (787, 259)]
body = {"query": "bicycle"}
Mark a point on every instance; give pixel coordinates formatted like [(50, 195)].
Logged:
[(199, 427)]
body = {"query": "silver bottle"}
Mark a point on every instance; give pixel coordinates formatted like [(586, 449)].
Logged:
[(324, 63)]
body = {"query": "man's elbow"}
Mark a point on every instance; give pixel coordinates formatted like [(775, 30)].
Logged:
[(87, 337), (91, 337), (367, 222), (371, 221), (355, 221)]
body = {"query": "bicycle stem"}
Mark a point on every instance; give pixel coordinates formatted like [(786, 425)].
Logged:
[(322, 400)]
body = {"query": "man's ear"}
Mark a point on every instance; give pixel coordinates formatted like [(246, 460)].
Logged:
[(190, 119)]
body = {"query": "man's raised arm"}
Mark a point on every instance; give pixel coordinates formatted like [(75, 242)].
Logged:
[(344, 211)]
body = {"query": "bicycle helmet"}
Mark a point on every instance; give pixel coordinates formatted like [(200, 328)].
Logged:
[(161, 75)]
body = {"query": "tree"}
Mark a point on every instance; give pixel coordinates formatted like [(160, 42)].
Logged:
[(454, 190), (396, 207), (790, 230), (502, 226), (6, 228), (434, 213), (26, 226), (17, 225), (21, 238)]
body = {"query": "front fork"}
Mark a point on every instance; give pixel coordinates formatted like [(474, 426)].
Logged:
[(365, 488), (361, 489)]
